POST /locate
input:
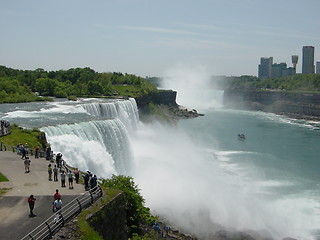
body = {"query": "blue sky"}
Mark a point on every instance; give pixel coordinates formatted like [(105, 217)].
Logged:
[(148, 37)]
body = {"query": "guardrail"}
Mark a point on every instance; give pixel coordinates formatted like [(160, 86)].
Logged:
[(50, 226)]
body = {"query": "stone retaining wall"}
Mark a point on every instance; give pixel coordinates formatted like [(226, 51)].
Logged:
[(5, 128)]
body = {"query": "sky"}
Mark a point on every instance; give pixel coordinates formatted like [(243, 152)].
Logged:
[(148, 37)]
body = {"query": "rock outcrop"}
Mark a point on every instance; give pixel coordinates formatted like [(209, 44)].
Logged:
[(166, 107)]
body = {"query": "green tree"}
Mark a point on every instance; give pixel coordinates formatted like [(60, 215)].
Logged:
[(45, 86), (94, 88)]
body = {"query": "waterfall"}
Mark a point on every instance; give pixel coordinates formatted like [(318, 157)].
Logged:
[(101, 146), (126, 111)]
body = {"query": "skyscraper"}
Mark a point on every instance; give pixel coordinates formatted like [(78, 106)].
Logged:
[(308, 59), (318, 67), (265, 67)]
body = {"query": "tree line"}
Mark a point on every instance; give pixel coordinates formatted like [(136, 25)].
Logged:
[(297, 82), (27, 85)]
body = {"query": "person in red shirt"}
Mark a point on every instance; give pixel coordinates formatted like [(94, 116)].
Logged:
[(56, 196), (31, 201)]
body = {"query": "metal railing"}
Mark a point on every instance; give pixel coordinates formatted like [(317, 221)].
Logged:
[(50, 226)]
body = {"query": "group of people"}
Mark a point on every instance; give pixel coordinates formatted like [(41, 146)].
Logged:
[(56, 204), (24, 151), (90, 180), (63, 175)]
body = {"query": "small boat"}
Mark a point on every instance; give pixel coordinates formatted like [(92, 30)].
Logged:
[(241, 136)]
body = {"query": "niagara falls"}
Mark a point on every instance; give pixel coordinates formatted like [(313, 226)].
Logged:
[(194, 174)]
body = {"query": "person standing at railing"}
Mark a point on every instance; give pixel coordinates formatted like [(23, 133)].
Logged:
[(55, 173), (93, 182), (31, 201), (77, 175), (70, 179), (36, 152), (86, 179)]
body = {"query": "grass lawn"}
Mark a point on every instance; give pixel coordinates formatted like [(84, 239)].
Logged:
[(3, 178)]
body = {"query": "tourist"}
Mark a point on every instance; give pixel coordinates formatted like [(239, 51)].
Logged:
[(55, 173), (24, 153), (76, 174), (86, 178), (56, 196), (63, 179), (59, 160), (50, 172), (93, 182), (70, 180), (26, 147), (48, 153), (57, 204), (36, 152), (31, 201), (27, 165)]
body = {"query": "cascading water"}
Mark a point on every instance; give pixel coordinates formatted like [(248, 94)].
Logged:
[(125, 111), (101, 146)]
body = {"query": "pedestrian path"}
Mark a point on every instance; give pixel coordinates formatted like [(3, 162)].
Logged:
[(36, 182), (14, 210)]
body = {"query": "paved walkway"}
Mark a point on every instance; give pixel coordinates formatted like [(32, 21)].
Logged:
[(14, 209)]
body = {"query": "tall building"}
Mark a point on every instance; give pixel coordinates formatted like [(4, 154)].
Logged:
[(308, 59), (265, 67), (294, 59), (318, 67)]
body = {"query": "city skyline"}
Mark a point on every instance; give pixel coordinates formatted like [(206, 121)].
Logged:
[(150, 38)]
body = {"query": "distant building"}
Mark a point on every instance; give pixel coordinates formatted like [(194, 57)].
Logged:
[(318, 67), (281, 70), (265, 67), (308, 59), (294, 59)]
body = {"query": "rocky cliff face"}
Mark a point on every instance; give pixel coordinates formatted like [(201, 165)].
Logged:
[(167, 107), (297, 105), (166, 97), (110, 220)]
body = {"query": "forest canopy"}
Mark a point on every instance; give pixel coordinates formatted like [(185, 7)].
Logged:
[(27, 85)]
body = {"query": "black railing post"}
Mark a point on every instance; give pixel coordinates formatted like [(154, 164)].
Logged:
[(48, 228), (30, 236), (91, 195), (80, 206), (63, 222)]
